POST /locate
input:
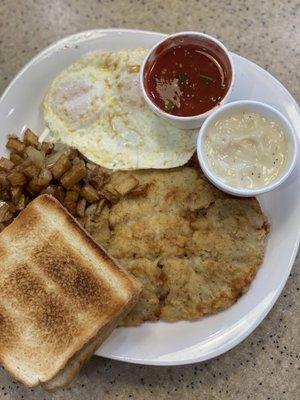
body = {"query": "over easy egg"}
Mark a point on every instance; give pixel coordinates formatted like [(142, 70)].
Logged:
[(96, 105)]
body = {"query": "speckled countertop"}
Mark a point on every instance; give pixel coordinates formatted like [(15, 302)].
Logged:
[(266, 365)]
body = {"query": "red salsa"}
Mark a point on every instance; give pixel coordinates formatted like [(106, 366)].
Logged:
[(186, 80)]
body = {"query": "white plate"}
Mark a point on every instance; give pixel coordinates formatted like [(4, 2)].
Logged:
[(182, 342)]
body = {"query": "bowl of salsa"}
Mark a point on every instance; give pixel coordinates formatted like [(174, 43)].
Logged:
[(186, 76)]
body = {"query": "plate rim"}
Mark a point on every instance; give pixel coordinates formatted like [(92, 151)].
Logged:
[(246, 332)]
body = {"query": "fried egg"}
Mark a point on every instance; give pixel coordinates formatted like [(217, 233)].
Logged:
[(96, 105)]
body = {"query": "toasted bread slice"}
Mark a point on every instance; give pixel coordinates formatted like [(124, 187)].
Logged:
[(60, 294)]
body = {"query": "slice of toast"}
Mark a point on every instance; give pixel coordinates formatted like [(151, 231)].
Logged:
[(60, 295)]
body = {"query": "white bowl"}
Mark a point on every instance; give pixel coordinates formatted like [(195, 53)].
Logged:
[(195, 121), (249, 106)]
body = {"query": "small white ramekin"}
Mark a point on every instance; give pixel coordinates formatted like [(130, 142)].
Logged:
[(249, 106), (194, 121)]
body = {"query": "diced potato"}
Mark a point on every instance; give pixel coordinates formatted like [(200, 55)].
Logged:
[(51, 190), (4, 211), (140, 190), (16, 158), (61, 166), (72, 153), (74, 175), (76, 160), (47, 147), (110, 194), (5, 164), (44, 177), (100, 206), (97, 177), (4, 207), (33, 186), (81, 207), (4, 193), (4, 183), (31, 139), (16, 193), (16, 178), (21, 167), (91, 166), (57, 192), (89, 193), (12, 208), (31, 171), (71, 197), (70, 201), (76, 188), (24, 164), (21, 203), (97, 181), (14, 143), (60, 193), (126, 185), (90, 210)]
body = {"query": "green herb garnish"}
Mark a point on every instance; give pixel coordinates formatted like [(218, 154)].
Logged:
[(207, 79), (169, 105), (182, 79)]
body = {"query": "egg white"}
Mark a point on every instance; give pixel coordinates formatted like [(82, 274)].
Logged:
[(96, 105)]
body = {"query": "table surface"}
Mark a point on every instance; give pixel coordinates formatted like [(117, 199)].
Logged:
[(266, 365)]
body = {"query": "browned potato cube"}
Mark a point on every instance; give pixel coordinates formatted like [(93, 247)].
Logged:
[(5, 164), (72, 153), (89, 193), (81, 207), (5, 194), (44, 177), (76, 188), (15, 144), (51, 189), (97, 181), (12, 208), (31, 171), (33, 186), (57, 192), (126, 185), (140, 190), (110, 194), (70, 201), (21, 203), (62, 165), (90, 210), (4, 183), (47, 147), (4, 211), (91, 166), (74, 175), (31, 139), (60, 194), (19, 168), (17, 178), (23, 165), (16, 193), (16, 158), (100, 206), (76, 160)]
